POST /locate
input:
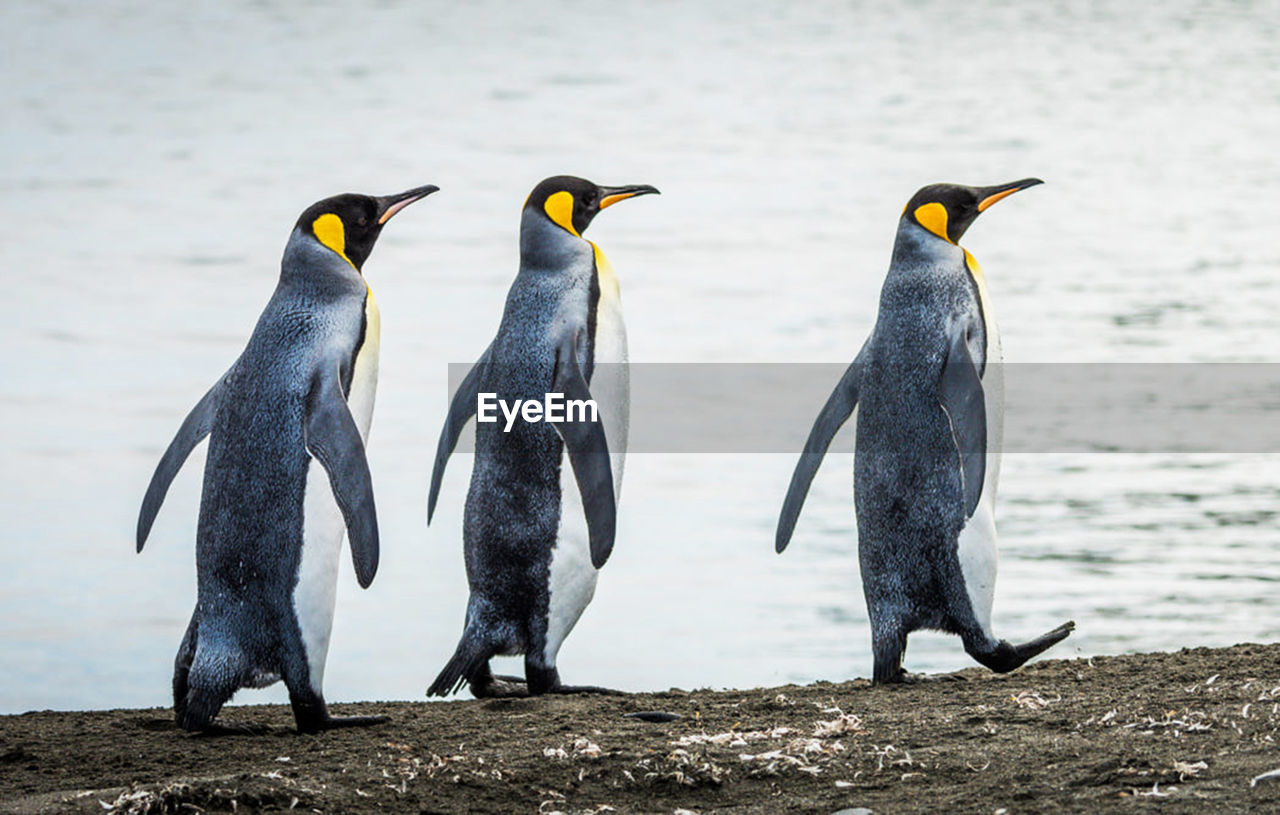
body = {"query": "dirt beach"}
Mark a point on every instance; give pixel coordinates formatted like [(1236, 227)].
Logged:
[(1188, 731)]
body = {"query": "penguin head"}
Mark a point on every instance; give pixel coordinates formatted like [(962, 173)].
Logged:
[(947, 210), (349, 224), (571, 202)]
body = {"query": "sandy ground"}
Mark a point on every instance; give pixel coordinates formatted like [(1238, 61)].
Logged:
[(1187, 732)]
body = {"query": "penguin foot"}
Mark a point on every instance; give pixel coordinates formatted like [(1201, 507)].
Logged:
[(1048, 639), (335, 722), (500, 687), (937, 678), (311, 715), (898, 677), (1006, 657), (902, 677)]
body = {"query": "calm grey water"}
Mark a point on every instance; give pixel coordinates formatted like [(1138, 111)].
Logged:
[(155, 159)]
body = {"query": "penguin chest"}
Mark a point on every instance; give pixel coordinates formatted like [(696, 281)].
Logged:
[(610, 379), (571, 575), (322, 526), (977, 543), (364, 371)]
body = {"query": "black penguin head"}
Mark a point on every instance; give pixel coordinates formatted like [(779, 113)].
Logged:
[(947, 210), (571, 202), (349, 224)]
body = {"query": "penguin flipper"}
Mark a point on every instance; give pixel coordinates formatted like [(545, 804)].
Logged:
[(834, 414), (588, 454), (193, 430), (461, 409), (332, 437), (960, 391)]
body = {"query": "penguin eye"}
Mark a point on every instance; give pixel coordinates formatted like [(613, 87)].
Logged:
[(363, 222)]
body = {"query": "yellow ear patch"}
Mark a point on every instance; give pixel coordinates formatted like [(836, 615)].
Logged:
[(559, 208), (330, 231), (933, 217)]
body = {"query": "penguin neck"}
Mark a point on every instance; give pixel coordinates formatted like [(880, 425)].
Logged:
[(915, 244), (548, 247), (316, 268)]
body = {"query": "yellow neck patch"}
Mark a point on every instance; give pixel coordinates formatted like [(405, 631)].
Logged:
[(559, 208), (331, 233), (984, 300), (609, 287), (933, 217), (974, 268)]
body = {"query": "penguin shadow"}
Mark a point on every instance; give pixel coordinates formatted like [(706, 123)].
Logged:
[(524, 703), (543, 701), (221, 728), (160, 724), (156, 725), (216, 729), (923, 679)]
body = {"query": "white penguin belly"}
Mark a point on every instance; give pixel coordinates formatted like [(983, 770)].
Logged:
[(977, 542), (323, 528), (572, 577)]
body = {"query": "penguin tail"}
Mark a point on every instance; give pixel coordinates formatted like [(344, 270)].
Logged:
[(470, 657)]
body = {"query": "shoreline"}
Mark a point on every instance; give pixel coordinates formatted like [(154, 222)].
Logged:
[(1189, 730)]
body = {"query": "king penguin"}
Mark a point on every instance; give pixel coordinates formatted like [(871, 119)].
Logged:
[(269, 535), (929, 393), (533, 540)]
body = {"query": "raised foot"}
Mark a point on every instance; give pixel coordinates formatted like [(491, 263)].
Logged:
[(1046, 640), (1007, 657)]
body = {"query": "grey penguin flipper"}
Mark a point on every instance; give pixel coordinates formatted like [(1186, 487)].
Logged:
[(839, 407), (193, 430), (461, 409), (960, 392), (588, 454), (332, 437)]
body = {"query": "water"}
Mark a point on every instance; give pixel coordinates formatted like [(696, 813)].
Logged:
[(154, 160)]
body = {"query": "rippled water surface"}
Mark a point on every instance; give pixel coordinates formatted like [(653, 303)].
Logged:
[(155, 158)]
